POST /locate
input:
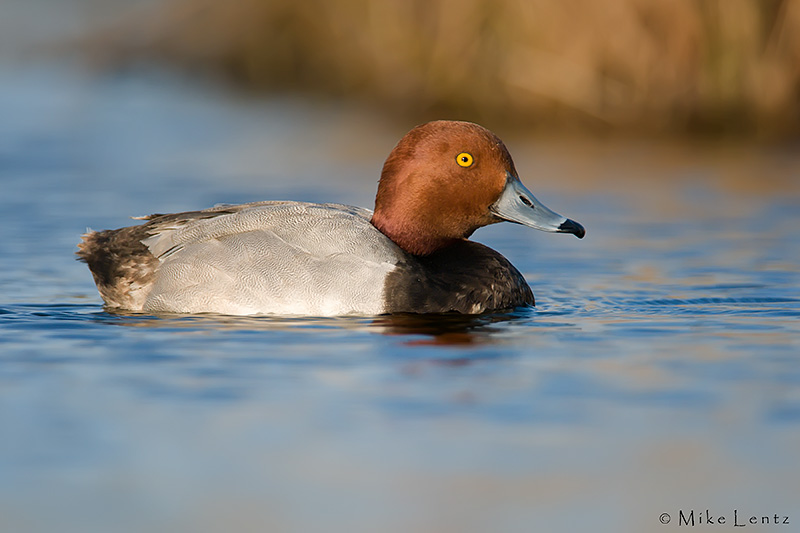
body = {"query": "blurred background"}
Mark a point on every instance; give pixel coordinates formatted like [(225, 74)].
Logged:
[(630, 67)]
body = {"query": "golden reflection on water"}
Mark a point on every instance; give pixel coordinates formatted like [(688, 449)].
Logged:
[(655, 167)]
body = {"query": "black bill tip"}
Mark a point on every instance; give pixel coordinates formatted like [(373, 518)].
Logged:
[(570, 226)]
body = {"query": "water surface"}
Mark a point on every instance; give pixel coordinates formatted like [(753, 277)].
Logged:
[(658, 373)]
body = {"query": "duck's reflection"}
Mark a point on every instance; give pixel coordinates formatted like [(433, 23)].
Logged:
[(418, 329), (445, 329)]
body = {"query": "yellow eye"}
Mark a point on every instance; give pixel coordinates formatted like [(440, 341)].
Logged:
[(464, 159)]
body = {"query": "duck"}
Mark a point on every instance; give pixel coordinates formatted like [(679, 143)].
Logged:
[(411, 254)]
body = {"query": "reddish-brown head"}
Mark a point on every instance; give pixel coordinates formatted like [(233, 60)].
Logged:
[(446, 179), (438, 184)]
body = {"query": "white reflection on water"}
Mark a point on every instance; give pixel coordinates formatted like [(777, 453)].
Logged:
[(658, 371)]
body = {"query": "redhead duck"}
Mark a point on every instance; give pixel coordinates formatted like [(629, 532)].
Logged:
[(442, 181)]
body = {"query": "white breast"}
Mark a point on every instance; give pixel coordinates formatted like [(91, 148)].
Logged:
[(286, 258)]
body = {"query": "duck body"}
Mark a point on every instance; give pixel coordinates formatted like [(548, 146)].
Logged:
[(291, 258), (411, 255)]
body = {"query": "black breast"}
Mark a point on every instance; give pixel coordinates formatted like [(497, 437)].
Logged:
[(466, 277)]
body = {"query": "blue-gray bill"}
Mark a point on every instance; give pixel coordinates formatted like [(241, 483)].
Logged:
[(518, 204)]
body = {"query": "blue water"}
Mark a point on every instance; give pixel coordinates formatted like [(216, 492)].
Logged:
[(659, 372)]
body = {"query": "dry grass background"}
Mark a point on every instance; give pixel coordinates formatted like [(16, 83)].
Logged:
[(718, 67)]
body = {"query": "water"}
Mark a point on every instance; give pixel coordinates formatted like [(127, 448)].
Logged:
[(658, 373)]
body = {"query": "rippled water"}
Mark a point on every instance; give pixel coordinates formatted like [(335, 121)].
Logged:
[(659, 372)]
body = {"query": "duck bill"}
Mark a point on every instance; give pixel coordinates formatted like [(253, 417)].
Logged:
[(518, 204)]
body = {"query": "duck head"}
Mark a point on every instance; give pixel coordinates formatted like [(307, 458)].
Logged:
[(445, 179)]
